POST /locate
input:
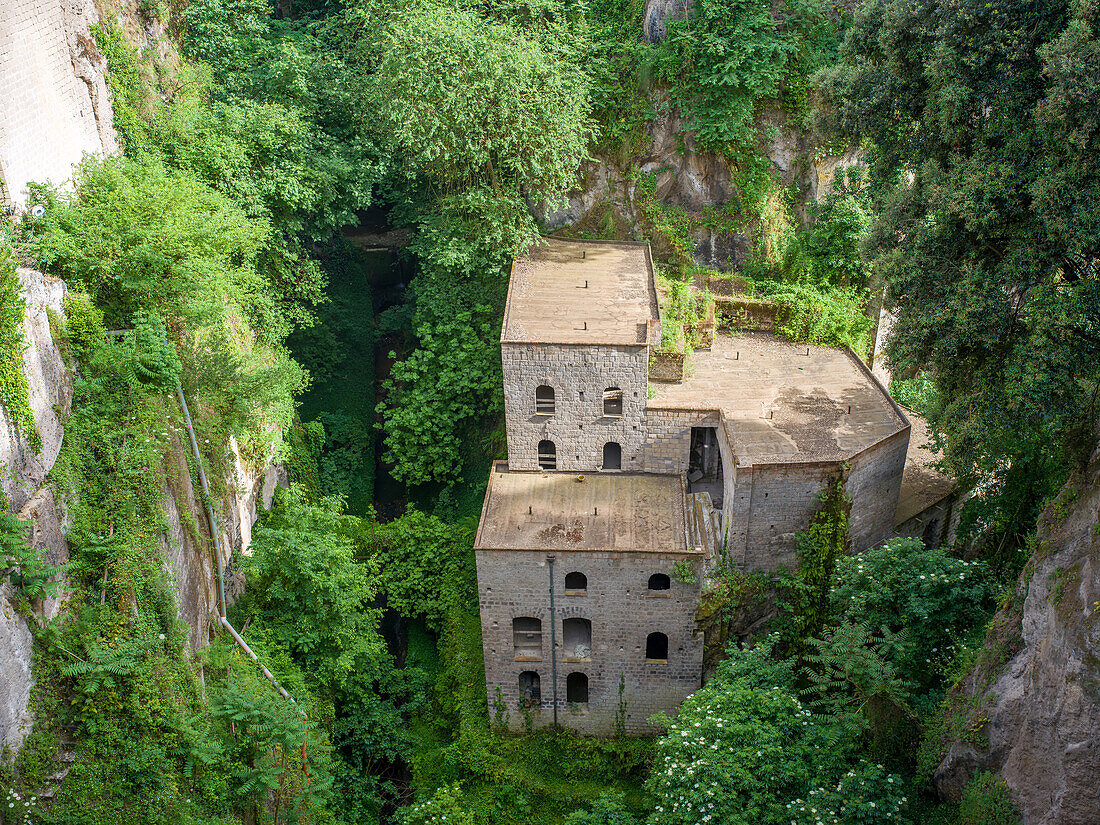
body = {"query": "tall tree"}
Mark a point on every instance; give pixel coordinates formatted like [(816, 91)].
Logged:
[(984, 125)]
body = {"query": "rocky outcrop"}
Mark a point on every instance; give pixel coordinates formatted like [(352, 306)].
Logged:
[(1036, 718), (692, 181), (22, 475), (659, 13)]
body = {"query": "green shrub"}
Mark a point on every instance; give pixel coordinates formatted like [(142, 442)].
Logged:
[(14, 391), (986, 801)]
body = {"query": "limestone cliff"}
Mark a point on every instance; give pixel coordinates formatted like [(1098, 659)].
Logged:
[(26, 484), (694, 181), (1031, 708)]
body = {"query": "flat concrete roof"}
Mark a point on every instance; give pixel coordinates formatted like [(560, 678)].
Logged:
[(549, 302), (780, 404), (922, 485), (622, 512)]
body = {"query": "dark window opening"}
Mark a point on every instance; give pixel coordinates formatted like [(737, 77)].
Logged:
[(612, 456), (705, 464), (548, 455), (576, 689), (576, 638), (544, 400), (613, 402), (530, 695), (659, 581), (656, 647), (527, 637), (576, 581)]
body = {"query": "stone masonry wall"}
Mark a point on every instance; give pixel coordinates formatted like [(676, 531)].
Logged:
[(55, 102), (780, 500), (579, 375), (668, 438), (874, 485), (516, 583)]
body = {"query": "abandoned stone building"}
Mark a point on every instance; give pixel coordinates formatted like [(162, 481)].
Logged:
[(619, 494)]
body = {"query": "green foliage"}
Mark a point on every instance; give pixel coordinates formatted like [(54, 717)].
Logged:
[(311, 596), (728, 56), (608, 809), (917, 393), (986, 801), (140, 238), (986, 200), (426, 567), (14, 391), (26, 569), (839, 226), (683, 571), (935, 601), (448, 384), (84, 328), (819, 547), (485, 114), (744, 749), (829, 316)]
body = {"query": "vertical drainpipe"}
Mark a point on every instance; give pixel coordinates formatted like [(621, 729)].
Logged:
[(553, 640)]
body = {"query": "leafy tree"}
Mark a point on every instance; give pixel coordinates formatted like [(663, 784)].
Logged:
[(744, 749), (608, 809), (312, 597), (728, 55), (447, 385), (984, 130), (933, 600), (483, 117), (425, 567)]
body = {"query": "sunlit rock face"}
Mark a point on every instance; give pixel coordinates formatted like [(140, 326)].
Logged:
[(659, 13), (1042, 712)]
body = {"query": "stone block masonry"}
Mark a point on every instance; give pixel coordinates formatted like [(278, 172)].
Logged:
[(623, 612), (55, 105), (579, 374)]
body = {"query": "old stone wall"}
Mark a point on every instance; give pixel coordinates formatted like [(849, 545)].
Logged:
[(55, 101), (578, 428), (780, 500), (668, 437), (622, 610), (874, 484)]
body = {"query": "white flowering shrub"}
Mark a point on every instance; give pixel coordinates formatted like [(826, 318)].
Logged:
[(744, 750), (936, 599)]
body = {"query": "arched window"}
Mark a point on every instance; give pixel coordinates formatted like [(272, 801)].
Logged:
[(612, 456), (544, 400), (548, 455), (656, 647), (576, 583), (530, 694), (527, 637), (613, 402), (576, 638), (659, 581), (576, 689)]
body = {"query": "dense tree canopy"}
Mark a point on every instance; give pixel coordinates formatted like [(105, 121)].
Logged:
[(984, 128)]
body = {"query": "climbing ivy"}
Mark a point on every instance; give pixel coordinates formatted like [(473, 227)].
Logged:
[(14, 391)]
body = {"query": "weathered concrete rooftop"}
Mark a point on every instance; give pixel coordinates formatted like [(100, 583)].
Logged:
[(780, 404), (607, 511), (922, 485), (549, 302)]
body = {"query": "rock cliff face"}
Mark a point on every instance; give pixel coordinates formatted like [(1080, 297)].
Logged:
[(1041, 711), (23, 476), (693, 181)]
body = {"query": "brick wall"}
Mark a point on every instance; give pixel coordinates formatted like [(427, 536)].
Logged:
[(622, 612), (51, 88), (579, 375)]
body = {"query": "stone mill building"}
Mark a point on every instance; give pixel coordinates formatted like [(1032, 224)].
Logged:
[(620, 492)]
